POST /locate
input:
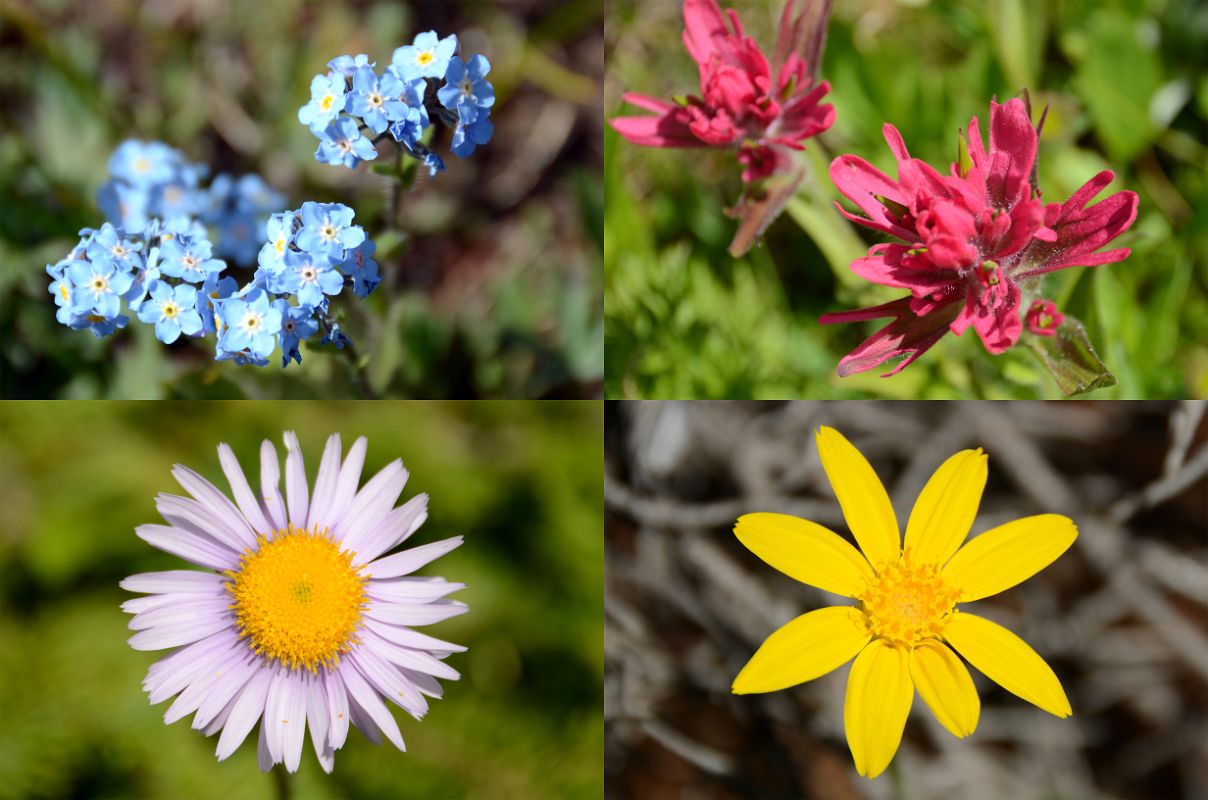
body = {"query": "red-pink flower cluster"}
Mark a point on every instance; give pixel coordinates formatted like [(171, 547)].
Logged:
[(741, 104), (1043, 318), (972, 242)]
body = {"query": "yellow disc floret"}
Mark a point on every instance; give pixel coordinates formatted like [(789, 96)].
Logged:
[(298, 599), (906, 603)]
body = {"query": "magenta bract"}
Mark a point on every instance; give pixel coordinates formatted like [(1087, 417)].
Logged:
[(741, 104), (970, 243)]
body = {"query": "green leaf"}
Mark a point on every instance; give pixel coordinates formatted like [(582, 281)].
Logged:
[(1071, 360), (142, 369), (1019, 34), (1118, 78)]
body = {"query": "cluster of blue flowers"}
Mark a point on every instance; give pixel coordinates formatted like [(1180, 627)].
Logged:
[(164, 271), (311, 255), (426, 81), (150, 180), (160, 252), (154, 271)]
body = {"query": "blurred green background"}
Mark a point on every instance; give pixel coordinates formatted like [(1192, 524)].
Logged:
[(1128, 91), (493, 286), (521, 481)]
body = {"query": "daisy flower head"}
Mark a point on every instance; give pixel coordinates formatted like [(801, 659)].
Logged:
[(905, 631), (296, 619)]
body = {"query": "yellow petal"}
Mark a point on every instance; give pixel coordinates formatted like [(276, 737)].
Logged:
[(879, 694), (862, 496), (946, 687), (944, 512), (805, 551), (1009, 554), (808, 647), (1007, 660)]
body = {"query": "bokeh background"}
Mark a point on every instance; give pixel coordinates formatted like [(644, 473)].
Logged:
[(1122, 616), (521, 481), (492, 284), (1127, 89)]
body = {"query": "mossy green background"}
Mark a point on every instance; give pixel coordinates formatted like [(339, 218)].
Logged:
[(1127, 91), (521, 481)]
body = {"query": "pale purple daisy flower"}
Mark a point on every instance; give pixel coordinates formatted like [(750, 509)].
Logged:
[(299, 620)]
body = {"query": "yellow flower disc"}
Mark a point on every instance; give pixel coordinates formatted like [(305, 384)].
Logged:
[(298, 598), (906, 603)]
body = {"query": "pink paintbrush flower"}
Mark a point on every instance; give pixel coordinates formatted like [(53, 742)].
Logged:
[(763, 110), (971, 244), (1043, 318)]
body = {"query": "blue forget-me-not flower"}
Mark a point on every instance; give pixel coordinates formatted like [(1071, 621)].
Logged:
[(250, 325), (327, 230), (188, 258), (341, 142), (466, 89), (327, 100), (426, 57), (297, 323), (308, 276), (172, 310)]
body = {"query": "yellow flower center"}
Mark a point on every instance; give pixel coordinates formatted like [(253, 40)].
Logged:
[(328, 232), (279, 245), (375, 99), (63, 290), (327, 102), (298, 598), (907, 603), (425, 58), (99, 284), (170, 309)]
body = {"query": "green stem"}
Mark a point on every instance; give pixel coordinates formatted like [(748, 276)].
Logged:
[(282, 782), (353, 359), (396, 192), (404, 176), (897, 781)]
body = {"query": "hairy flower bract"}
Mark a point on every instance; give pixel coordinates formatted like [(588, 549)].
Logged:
[(971, 246)]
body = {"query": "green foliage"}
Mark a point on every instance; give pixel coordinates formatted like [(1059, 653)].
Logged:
[(522, 482), (1123, 82)]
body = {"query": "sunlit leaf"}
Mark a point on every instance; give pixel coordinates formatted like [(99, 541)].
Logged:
[(1070, 359)]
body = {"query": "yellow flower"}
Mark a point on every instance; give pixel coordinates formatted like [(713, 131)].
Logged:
[(903, 632)]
